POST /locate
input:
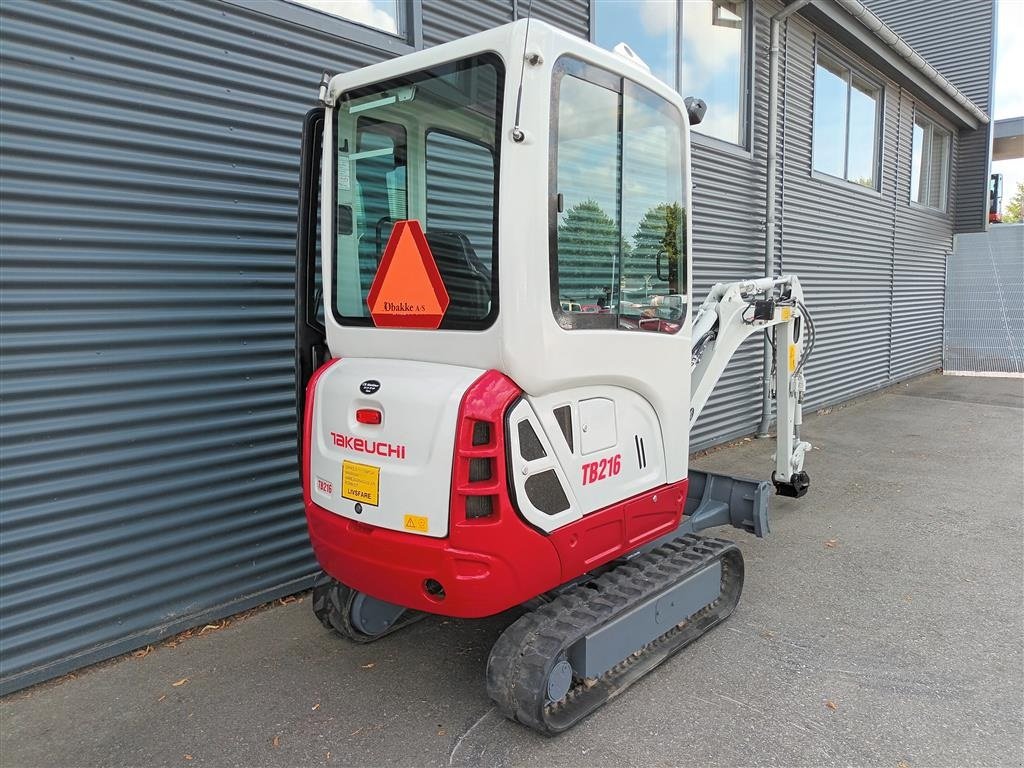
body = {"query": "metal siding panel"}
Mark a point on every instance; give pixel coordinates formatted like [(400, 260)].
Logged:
[(728, 244), (957, 37), (971, 180), (921, 246), (571, 15), (985, 302), (149, 475), (445, 20), (950, 35), (862, 256)]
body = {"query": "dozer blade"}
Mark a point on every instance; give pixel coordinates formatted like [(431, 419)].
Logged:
[(560, 662)]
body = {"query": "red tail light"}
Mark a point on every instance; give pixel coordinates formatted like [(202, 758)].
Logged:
[(478, 474), (368, 416)]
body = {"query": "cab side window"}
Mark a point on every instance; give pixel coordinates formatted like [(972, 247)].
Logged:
[(619, 241)]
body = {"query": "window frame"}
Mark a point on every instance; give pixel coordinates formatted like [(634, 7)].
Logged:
[(947, 172), (879, 132), (568, 64), (410, 21), (484, 57)]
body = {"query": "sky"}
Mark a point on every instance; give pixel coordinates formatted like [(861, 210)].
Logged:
[(1008, 98), (711, 69)]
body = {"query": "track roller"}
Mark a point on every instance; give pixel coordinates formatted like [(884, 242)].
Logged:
[(562, 661), (355, 615)]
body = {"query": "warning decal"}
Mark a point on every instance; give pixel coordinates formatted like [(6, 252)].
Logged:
[(407, 291)]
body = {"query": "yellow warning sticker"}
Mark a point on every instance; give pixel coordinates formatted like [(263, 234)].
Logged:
[(792, 357), (415, 523), (360, 482), (787, 312)]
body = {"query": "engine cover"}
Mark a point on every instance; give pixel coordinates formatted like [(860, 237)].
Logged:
[(394, 474)]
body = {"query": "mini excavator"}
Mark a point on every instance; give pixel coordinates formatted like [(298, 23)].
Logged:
[(498, 364)]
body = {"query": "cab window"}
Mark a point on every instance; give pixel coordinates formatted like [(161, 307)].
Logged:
[(618, 245), (423, 147)]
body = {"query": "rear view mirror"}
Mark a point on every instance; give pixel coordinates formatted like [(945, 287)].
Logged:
[(695, 109)]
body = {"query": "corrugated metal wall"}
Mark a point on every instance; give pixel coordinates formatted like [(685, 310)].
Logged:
[(957, 38), (985, 302), (451, 19), (148, 258), (922, 245), (150, 166), (871, 264), (728, 244)]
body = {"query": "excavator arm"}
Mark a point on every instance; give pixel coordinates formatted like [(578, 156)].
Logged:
[(728, 316)]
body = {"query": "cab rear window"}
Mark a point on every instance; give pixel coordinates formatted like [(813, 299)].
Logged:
[(423, 147)]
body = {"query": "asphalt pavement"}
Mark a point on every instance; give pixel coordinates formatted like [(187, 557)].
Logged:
[(881, 624)]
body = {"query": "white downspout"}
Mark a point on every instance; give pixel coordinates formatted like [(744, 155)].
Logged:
[(769, 207)]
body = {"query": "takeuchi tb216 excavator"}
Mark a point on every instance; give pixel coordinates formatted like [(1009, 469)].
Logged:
[(498, 364)]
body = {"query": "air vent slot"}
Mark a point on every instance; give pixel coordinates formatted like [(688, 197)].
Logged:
[(479, 506), (479, 470), (641, 453), (481, 433), (546, 493), (563, 417), (529, 444)]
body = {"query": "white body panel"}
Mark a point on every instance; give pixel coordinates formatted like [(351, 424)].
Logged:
[(525, 340), (629, 463), (412, 448)]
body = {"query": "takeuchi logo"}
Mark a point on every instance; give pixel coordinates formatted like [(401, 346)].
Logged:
[(372, 447)]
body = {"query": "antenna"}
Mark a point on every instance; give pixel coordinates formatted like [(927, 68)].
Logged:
[(517, 132)]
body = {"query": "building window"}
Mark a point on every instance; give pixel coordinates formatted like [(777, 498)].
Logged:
[(698, 47), (847, 107), (714, 65), (382, 15), (929, 164), (648, 27)]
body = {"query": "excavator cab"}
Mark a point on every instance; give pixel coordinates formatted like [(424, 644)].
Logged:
[(497, 363)]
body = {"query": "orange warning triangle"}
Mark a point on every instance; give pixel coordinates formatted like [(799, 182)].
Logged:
[(407, 291)]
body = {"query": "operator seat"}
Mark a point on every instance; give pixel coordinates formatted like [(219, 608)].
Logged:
[(466, 278)]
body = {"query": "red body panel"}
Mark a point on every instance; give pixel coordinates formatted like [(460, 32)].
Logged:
[(490, 564)]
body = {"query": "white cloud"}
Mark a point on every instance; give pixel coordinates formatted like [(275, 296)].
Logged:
[(707, 47), (657, 16), (360, 11), (720, 122), (1008, 99)]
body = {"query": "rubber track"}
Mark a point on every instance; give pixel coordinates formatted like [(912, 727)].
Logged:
[(332, 605), (522, 658)]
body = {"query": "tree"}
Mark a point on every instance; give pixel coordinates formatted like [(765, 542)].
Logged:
[(588, 252), (662, 230), (1013, 214)]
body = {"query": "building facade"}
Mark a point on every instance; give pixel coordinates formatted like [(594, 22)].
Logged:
[(958, 39), (149, 177)]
